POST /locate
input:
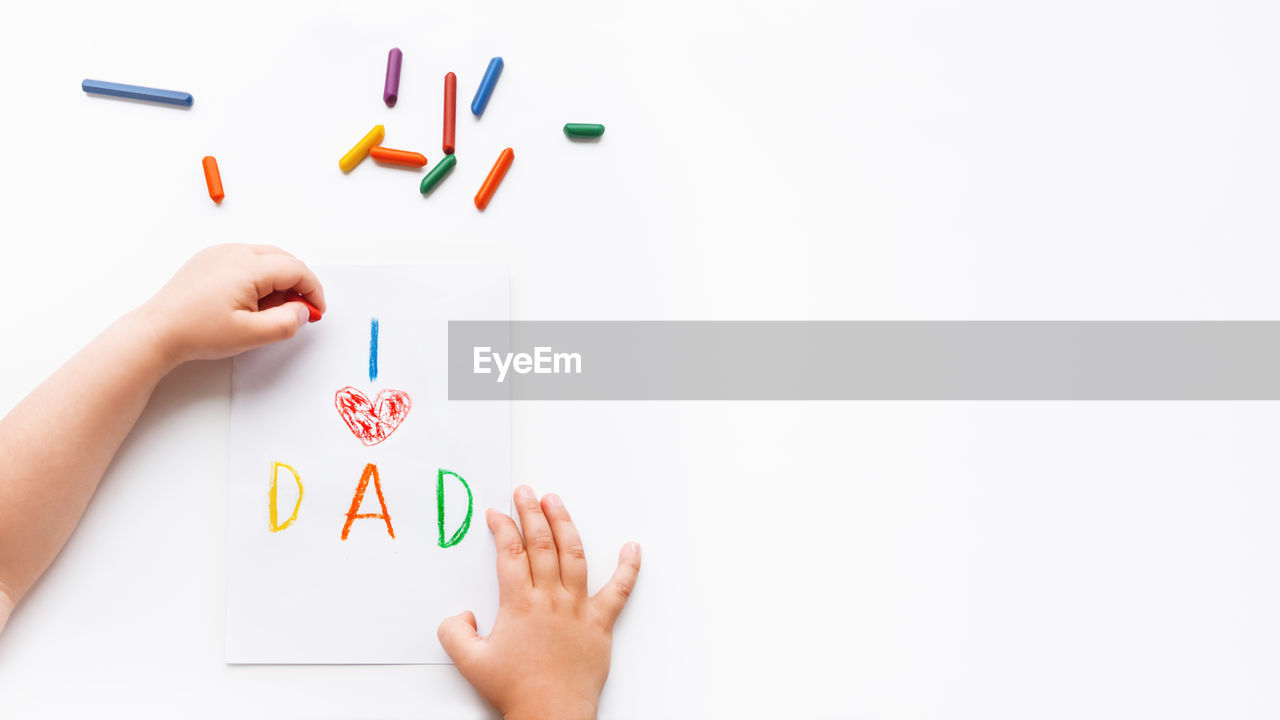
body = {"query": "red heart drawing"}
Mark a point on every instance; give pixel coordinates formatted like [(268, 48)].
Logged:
[(372, 422)]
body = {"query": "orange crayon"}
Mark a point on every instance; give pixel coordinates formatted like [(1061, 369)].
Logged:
[(492, 182), (397, 157), (213, 179)]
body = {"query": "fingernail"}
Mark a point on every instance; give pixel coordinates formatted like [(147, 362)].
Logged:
[(632, 548), (303, 313), (524, 492), (553, 500)]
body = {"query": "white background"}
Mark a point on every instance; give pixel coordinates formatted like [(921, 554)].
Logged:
[(980, 160)]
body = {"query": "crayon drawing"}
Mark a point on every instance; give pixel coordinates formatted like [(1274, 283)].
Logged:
[(372, 422), (354, 513), (373, 349), (273, 511), (383, 543)]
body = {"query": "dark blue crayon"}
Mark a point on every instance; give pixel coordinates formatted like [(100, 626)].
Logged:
[(486, 87), (136, 92)]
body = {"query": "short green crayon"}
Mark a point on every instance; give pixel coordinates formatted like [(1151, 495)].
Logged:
[(583, 130), (437, 174)]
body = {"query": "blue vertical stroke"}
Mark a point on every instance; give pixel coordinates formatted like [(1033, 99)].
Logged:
[(373, 349)]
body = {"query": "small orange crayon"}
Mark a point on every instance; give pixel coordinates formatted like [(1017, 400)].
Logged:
[(213, 179), (397, 157), (492, 182)]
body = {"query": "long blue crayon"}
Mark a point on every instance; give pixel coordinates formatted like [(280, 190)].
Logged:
[(136, 92), (486, 87)]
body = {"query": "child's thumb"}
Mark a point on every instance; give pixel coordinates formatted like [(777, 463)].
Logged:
[(277, 323), (460, 639)]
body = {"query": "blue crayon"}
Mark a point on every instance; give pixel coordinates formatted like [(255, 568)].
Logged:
[(486, 87), (135, 92)]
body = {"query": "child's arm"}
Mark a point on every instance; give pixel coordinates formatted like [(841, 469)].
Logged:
[(548, 655), (56, 444)]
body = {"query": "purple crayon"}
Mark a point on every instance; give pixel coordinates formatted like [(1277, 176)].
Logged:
[(392, 88)]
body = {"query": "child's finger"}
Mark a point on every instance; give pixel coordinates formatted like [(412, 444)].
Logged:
[(269, 250), (273, 299), (277, 272), (460, 639), (573, 560), (274, 324), (613, 596), (543, 565), (282, 272), (513, 561)]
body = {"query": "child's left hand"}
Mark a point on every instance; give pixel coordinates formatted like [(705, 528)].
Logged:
[(228, 299)]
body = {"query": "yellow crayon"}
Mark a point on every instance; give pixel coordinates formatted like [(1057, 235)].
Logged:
[(358, 153)]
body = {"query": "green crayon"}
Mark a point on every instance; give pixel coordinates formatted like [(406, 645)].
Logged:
[(583, 130), (437, 173)]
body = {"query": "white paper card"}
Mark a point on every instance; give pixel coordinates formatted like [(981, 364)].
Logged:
[(306, 414)]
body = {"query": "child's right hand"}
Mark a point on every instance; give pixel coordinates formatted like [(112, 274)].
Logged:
[(228, 299), (548, 654)]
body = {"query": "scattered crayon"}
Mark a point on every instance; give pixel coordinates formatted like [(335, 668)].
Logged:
[(357, 153), (297, 297), (450, 111), (492, 182), (213, 179), (397, 157), (136, 92), (583, 130), (392, 87), (437, 174), (485, 91)]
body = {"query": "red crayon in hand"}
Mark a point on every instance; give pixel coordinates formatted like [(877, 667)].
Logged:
[(296, 297)]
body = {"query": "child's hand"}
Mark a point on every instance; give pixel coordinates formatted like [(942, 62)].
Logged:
[(548, 655), (228, 299)]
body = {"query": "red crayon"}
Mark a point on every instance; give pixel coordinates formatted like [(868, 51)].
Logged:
[(450, 111), (315, 311), (492, 182)]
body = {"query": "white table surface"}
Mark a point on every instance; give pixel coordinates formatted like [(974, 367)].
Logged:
[(895, 160)]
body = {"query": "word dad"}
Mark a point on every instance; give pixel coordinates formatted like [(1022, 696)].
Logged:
[(353, 514)]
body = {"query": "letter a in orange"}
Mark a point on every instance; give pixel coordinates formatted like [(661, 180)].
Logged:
[(355, 514)]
